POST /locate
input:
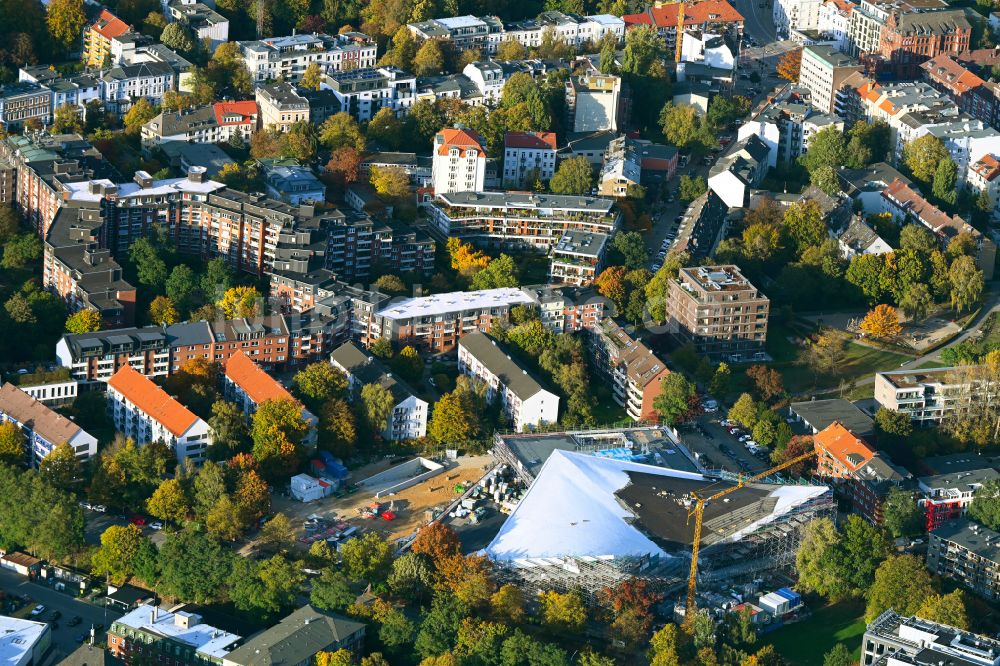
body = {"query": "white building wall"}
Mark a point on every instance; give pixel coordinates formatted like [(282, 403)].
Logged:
[(454, 173), (131, 421)]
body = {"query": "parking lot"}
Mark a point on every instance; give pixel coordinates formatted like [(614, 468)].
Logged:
[(716, 448), (65, 638)]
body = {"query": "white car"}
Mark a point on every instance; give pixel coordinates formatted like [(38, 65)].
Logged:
[(745, 438), (156, 526), (38, 610), (750, 443), (99, 508), (86, 505)]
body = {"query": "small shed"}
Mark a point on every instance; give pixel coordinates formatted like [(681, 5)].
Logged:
[(22, 563), (307, 488), (775, 604), (127, 598)]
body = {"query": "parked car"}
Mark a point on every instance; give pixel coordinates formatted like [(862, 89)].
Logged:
[(38, 610), (85, 505), (137, 520), (156, 526), (100, 508), (75, 620)]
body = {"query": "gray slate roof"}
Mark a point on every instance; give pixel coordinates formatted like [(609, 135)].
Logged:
[(367, 369), (296, 639), (983, 541), (510, 372)]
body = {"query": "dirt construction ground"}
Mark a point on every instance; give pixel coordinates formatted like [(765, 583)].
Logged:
[(409, 505)]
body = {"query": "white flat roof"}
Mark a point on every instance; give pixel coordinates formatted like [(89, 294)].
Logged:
[(81, 191), (204, 638), (17, 637), (606, 19), (454, 301), (455, 22)]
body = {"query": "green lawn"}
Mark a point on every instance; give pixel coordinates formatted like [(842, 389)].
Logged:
[(606, 410), (859, 362), (805, 643)]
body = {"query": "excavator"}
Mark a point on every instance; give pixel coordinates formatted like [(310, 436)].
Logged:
[(697, 511)]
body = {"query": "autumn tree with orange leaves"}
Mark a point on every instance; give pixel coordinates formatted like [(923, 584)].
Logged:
[(790, 64), (881, 322)]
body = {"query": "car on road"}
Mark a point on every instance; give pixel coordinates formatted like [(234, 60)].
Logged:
[(137, 520), (38, 610), (99, 508), (156, 526), (86, 505), (75, 620), (56, 615)]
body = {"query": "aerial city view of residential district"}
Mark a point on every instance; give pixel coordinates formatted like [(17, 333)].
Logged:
[(507, 333)]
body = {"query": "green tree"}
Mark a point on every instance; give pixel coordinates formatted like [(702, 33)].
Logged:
[(811, 559), (901, 515), (923, 155), (761, 241), (12, 444), (643, 48), (266, 588), (403, 49), (276, 431), (985, 506), (312, 77), (278, 534), (744, 411), (917, 238), (500, 272), (856, 555), (412, 576), (945, 181), (124, 552), (20, 250), (385, 128), (150, 268), (169, 502), (946, 609), (692, 187), (367, 559), (341, 130), (178, 37), (209, 487), (901, 583), (574, 176), (331, 591), (225, 520), (377, 403), (429, 59), (827, 148), (682, 127), (893, 423), (632, 248), (65, 20), (229, 430), (674, 403), (319, 382), (140, 113), (61, 467), (966, 283), (216, 278), (917, 301), (838, 656), (83, 321), (805, 224), (181, 286), (66, 120)]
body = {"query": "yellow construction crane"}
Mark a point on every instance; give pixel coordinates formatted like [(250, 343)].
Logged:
[(698, 512)]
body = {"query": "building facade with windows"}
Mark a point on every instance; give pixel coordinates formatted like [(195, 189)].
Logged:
[(248, 385), (151, 634), (43, 428), (528, 157), (288, 57), (966, 552), (634, 371), (459, 162), (894, 640), (145, 412)]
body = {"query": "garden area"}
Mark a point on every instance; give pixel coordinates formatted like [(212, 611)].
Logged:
[(804, 643)]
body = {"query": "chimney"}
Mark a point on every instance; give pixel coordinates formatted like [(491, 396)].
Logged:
[(88, 254), (152, 615), (196, 174), (143, 179)]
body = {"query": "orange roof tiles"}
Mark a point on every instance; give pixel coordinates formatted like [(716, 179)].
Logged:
[(463, 139), (988, 167), (534, 140), (932, 217), (151, 399), (846, 447), (247, 111), (110, 26), (706, 11), (844, 5), (948, 72), (257, 384)]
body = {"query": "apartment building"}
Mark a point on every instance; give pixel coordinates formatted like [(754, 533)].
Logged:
[(24, 103), (145, 412), (208, 25), (248, 385), (622, 169), (835, 22), (946, 497), (984, 176), (928, 395), (289, 181), (841, 453), (528, 157), (281, 105), (719, 311), (966, 552), (97, 38), (215, 123), (592, 102), (287, 58), (634, 371), (122, 85), (43, 429), (74, 90), (823, 71), (908, 39), (577, 258), (364, 92), (525, 402), (568, 309), (459, 162), (894, 640), (486, 33), (408, 419), (789, 15), (973, 95), (712, 16), (513, 221), (436, 323), (149, 633), (905, 203), (739, 171)]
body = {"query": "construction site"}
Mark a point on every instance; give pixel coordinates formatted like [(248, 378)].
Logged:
[(591, 518)]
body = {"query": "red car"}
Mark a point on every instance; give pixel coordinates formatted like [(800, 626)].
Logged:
[(137, 520)]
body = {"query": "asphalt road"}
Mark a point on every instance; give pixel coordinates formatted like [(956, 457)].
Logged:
[(64, 638)]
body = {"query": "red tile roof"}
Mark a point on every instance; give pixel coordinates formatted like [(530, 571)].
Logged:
[(257, 384), (246, 110), (109, 25), (463, 139), (533, 140), (49, 424), (843, 5), (151, 399), (988, 167), (847, 448), (932, 217), (948, 72), (707, 11)]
